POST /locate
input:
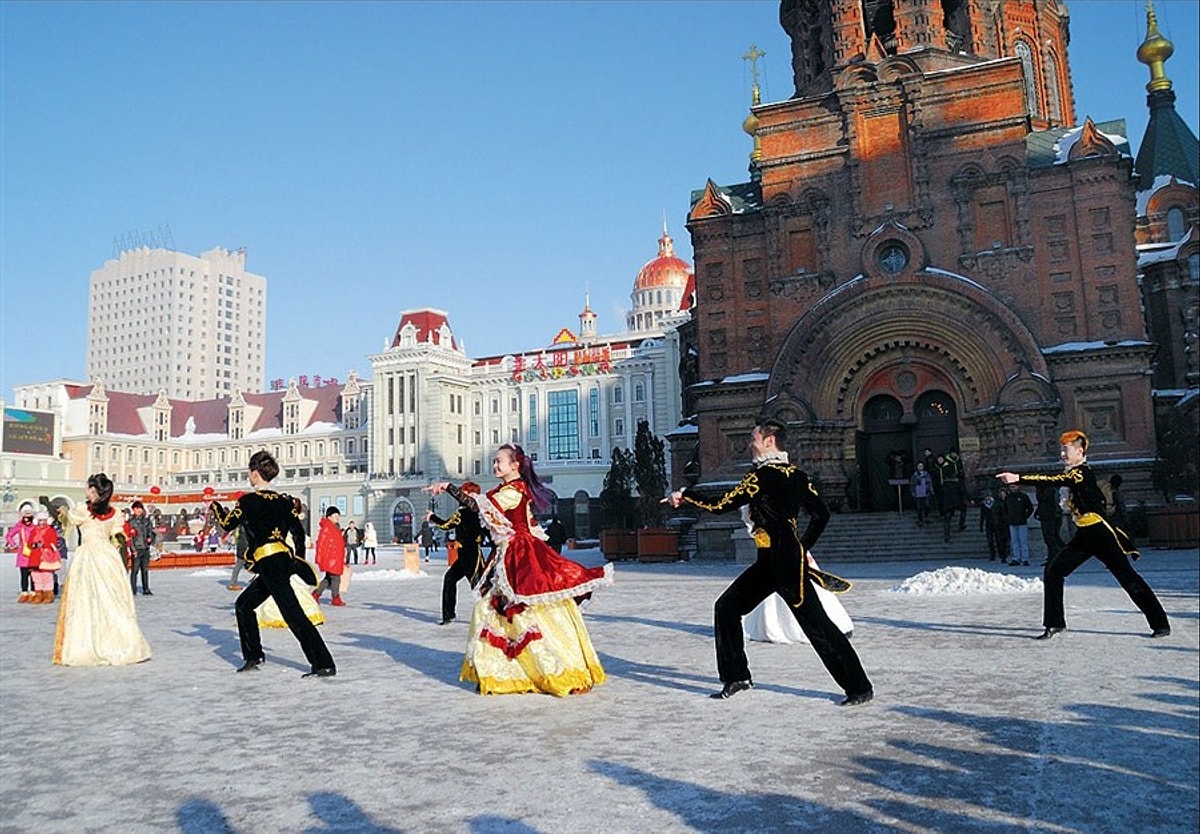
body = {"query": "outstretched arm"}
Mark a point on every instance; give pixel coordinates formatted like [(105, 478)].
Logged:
[(740, 495)]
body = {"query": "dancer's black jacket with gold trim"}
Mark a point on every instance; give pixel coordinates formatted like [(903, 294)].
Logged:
[(776, 492), (267, 518)]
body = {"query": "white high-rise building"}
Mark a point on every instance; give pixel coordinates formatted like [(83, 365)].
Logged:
[(193, 327)]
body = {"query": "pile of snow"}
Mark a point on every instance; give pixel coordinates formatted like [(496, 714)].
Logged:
[(212, 572), (958, 581)]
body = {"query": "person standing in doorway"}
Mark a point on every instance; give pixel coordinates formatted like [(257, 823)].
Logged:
[(922, 491), (1094, 536)]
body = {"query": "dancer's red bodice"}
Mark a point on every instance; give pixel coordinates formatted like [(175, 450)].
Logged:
[(531, 565)]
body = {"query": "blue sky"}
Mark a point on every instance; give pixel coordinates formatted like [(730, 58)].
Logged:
[(487, 159)]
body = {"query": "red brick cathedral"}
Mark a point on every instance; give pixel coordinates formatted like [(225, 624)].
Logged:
[(930, 253)]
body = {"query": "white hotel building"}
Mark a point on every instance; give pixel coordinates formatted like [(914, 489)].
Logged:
[(160, 320)]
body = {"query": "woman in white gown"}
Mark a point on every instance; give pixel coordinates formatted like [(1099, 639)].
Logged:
[(97, 623), (773, 622)]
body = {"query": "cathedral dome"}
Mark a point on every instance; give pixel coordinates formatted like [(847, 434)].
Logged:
[(659, 290), (664, 271)]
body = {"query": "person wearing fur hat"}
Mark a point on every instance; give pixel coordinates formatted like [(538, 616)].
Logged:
[(17, 541)]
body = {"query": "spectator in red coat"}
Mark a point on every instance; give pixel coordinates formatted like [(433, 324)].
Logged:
[(331, 555)]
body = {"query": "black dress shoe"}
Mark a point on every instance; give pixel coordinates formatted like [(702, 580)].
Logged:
[(1048, 633), (323, 672), (730, 689), (446, 621), (147, 593), (251, 665), (1165, 631), (860, 698)]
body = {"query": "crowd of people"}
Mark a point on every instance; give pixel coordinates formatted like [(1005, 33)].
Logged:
[(527, 633)]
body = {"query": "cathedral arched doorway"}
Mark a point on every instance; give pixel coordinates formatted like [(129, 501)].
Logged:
[(884, 452), (936, 425), (893, 438)]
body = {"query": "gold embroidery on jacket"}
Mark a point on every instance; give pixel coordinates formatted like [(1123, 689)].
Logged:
[(749, 486)]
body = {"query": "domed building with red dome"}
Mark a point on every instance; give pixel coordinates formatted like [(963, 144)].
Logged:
[(660, 297)]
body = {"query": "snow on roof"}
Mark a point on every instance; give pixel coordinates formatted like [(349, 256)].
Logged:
[(682, 430), (1062, 148), (754, 377), (1161, 181), (1156, 253), (1076, 347)]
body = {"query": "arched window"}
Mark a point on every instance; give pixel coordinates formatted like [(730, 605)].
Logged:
[(1023, 52), (1053, 99), (1176, 225)]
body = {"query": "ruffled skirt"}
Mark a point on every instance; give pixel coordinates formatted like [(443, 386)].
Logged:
[(535, 648)]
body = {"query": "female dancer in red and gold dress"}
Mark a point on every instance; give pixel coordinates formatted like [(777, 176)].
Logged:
[(526, 631)]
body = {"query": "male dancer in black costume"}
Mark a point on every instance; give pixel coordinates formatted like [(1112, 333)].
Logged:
[(468, 532), (266, 518), (774, 491), (1094, 536)]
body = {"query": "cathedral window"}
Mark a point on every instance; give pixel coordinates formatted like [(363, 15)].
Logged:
[(1025, 54), (1176, 225), (1053, 98)]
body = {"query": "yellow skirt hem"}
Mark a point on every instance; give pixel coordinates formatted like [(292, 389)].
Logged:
[(572, 680)]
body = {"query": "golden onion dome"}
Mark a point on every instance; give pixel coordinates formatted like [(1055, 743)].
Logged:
[(1154, 52)]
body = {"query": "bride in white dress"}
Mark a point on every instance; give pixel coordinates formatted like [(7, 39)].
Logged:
[(97, 623), (773, 622)]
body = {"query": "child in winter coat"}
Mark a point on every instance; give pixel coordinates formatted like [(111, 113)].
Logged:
[(331, 555), (44, 559)]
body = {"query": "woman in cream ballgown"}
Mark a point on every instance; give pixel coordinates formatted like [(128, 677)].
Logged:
[(97, 623), (526, 631)]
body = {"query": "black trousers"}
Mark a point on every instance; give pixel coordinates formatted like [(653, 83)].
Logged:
[(273, 579), (997, 539), (755, 584), (139, 562), (26, 580), (450, 587), (1099, 541)]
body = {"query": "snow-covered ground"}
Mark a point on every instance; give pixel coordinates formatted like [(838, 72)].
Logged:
[(975, 726)]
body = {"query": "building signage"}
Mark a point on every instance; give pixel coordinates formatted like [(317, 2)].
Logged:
[(306, 381), (562, 363), (28, 432)]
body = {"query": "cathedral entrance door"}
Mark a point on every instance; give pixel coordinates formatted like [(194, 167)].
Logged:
[(937, 424), (884, 453)]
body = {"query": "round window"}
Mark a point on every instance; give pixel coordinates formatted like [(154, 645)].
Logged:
[(893, 257)]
